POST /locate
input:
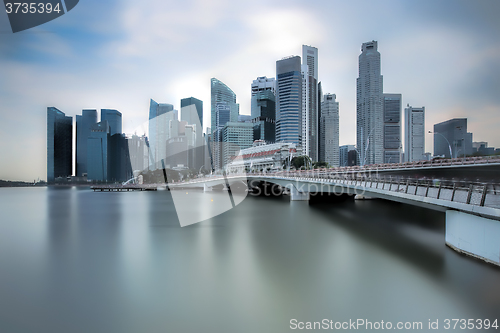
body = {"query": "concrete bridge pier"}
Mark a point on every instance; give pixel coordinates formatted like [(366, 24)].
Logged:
[(206, 188), (295, 195), (473, 235)]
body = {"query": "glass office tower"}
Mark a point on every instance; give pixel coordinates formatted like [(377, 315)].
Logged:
[(160, 115), (114, 119), (59, 144), (185, 102), (221, 93), (264, 116), (97, 152), (84, 124), (289, 100)]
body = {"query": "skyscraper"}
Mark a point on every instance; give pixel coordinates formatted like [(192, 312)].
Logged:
[(114, 119), (97, 152), (310, 58), (304, 134), (369, 106), (84, 124), (392, 128), (289, 100), (263, 83), (159, 125), (414, 134), (221, 93), (264, 116), (329, 124), (452, 134), (192, 113), (188, 116), (59, 144)]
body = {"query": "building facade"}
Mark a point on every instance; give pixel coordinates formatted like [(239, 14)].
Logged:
[(452, 135), (310, 58), (264, 116), (414, 134), (59, 144), (160, 116), (114, 119), (392, 128), (97, 152), (289, 100), (263, 83), (329, 125), (344, 155), (235, 136), (220, 92), (84, 124), (369, 108)]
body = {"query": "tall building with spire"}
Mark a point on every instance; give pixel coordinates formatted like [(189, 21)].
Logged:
[(310, 58), (369, 106)]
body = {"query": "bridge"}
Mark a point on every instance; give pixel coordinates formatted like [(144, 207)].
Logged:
[(468, 195)]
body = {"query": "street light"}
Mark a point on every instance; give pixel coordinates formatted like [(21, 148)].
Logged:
[(449, 146)]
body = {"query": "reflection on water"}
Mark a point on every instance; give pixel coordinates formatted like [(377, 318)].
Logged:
[(76, 261)]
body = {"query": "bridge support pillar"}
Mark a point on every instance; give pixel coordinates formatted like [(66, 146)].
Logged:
[(206, 188), (295, 195), (473, 235)]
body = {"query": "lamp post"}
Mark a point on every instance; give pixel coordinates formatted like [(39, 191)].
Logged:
[(449, 146)]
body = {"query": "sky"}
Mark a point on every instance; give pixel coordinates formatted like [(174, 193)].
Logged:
[(118, 54)]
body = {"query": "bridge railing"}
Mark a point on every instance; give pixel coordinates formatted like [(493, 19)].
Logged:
[(473, 193)]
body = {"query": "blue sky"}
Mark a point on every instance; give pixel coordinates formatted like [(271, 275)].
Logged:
[(444, 55)]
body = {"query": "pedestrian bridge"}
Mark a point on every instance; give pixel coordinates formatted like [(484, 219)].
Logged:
[(472, 208)]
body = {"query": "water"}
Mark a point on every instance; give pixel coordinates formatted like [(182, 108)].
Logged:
[(76, 261)]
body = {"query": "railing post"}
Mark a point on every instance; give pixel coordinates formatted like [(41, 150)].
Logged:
[(427, 190), (454, 190), (483, 197), (416, 187), (407, 184), (469, 194), (439, 189)]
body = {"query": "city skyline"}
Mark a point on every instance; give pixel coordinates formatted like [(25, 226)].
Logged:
[(82, 61)]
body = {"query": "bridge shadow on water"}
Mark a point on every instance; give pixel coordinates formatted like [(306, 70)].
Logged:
[(415, 234)]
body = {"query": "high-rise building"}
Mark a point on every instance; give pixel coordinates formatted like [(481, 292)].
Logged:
[(84, 124), (160, 116), (329, 124), (97, 152), (310, 58), (369, 108), (119, 161), (139, 152), (320, 100), (344, 155), (263, 83), (289, 100), (235, 136), (452, 135), (59, 144), (114, 119), (189, 116), (392, 128), (414, 134), (264, 116), (192, 113), (305, 110), (221, 93)]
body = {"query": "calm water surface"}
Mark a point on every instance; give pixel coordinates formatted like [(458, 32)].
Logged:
[(76, 261)]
